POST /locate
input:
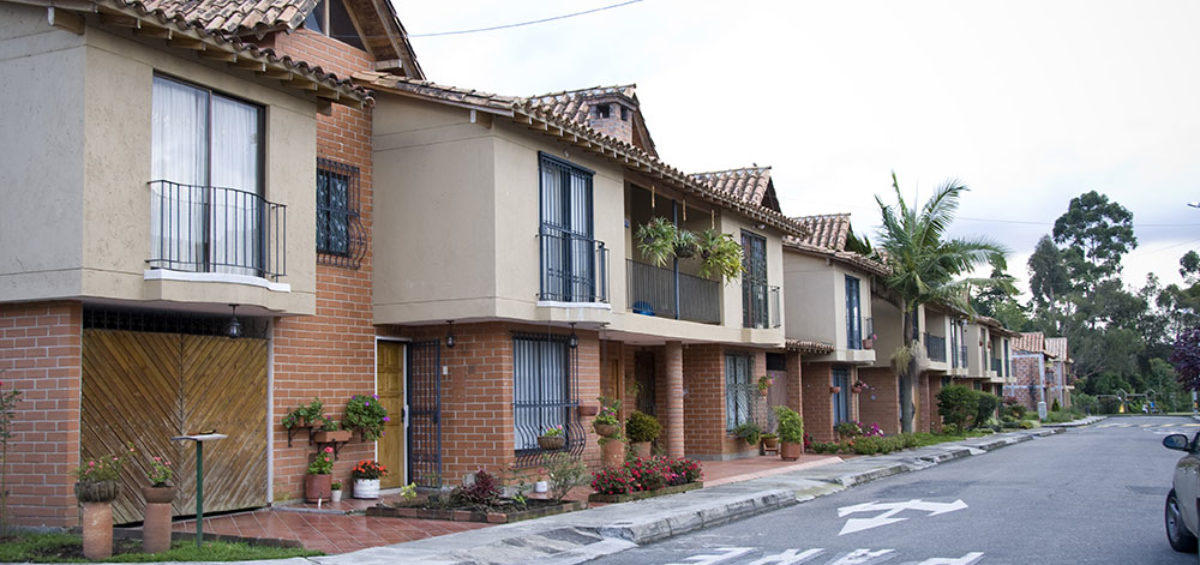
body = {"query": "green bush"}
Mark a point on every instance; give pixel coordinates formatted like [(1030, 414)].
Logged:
[(790, 425), (748, 431), (1027, 425), (867, 446), (848, 430), (958, 406), (1056, 407), (642, 427), (1011, 424), (986, 407), (910, 440)]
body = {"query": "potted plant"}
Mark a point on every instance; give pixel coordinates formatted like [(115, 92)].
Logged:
[(311, 414), (367, 415), (764, 384), (749, 432), (606, 422), (366, 475), (791, 433), (319, 479), (770, 442), (553, 438), (335, 491), (657, 239), (642, 429), (869, 342), (156, 527), (859, 386), (686, 243), (96, 487), (720, 255), (331, 432)]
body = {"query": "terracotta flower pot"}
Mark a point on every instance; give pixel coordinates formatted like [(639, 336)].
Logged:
[(159, 495), (551, 443), (97, 530), (771, 443), (835, 389), (607, 430), (336, 435), (789, 451), (612, 453), (642, 449), (316, 487)]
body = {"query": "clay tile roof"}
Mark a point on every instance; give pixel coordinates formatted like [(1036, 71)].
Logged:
[(235, 16), (1033, 342), (1057, 346), (750, 185), (809, 346), (577, 104), (829, 231)]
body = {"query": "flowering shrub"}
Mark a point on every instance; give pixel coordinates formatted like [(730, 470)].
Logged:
[(366, 414), (553, 431), (608, 411), (646, 474), (485, 491), (765, 382), (368, 469), (848, 429), (107, 468), (160, 472), (873, 431), (322, 464)]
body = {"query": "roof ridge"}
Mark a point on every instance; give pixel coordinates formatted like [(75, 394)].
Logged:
[(632, 85), (733, 171)]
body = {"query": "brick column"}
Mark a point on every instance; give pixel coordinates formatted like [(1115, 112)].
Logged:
[(794, 385), (674, 351)]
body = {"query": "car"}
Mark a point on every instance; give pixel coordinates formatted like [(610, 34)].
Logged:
[(1182, 511)]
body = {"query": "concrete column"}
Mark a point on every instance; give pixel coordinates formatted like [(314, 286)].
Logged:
[(674, 351)]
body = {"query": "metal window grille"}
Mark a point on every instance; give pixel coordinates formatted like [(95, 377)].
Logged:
[(755, 292), (545, 394), (341, 238), (853, 314), (573, 264), (741, 392), (935, 347), (424, 398)]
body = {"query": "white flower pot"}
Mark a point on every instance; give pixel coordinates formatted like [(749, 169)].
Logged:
[(366, 488), (541, 486), (335, 495)]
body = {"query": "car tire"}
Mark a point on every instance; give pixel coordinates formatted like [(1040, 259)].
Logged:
[(1177, 533)]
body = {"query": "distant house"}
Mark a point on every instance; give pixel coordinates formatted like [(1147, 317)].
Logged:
[(1041, 371)]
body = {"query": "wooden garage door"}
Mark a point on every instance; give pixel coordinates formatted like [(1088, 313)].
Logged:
[(144, 388)]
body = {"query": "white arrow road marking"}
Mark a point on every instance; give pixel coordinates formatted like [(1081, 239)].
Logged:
[(789, 557), (861, 557), (891, 509), (967, 559), (722, 554)]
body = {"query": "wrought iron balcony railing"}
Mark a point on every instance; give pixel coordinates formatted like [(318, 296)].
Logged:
[(656, 291), (760, 305), (207, 229), (574, 268)]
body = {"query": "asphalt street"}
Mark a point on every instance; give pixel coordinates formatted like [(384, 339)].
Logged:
[(1091, 495)]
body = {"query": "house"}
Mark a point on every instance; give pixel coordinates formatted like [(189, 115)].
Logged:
[(829, 301), (510, 268), (1041, 372), (202, 170)]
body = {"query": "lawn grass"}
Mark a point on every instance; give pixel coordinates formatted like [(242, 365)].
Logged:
[(68, 548), (926, 439)]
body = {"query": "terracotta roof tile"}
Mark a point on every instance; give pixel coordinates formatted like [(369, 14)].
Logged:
[(827, 237), (1057, 346), (1033, 342), (748, 184), (577, 104), (234, 16)]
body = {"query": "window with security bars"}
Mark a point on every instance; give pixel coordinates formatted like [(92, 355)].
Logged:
[(754, 281), (853, 314), (339, 237), (544, 393), (570, 257), (740, 390), (841, 398)]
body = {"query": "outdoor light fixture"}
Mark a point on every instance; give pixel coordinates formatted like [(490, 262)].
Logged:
[(573, 340), (234, 328), (450, 335)]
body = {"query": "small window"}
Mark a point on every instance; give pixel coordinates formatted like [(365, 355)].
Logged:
[(740, 390), (602, 111), (624, 114), (339, 236), (544, 369)]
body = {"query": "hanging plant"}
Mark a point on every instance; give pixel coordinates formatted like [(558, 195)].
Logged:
[(686, 243), (657, 239), (720, 255)]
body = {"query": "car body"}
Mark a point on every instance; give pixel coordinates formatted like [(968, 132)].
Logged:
[(1182, 511)]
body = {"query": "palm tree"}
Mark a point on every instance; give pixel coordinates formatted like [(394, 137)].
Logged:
[(924, 266)]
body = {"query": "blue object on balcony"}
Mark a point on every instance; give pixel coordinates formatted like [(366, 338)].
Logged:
[(643, 307)]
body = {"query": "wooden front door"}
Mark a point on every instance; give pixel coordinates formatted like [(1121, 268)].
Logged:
[(145, 388), (389, 375)]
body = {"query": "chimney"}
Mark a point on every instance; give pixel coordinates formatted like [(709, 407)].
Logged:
[(612, 116)]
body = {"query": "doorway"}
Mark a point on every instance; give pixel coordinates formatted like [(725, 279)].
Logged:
[(643, 373), (389, 378)]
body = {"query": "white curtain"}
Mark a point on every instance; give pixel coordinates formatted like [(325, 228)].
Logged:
[(236, 216), (179, 155)]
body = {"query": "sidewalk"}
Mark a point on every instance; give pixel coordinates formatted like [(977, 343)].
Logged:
[(580, 536)]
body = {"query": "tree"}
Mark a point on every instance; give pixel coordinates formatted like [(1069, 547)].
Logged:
[(1185, 357), (1048, 280), (924, 264), (1096, 233)]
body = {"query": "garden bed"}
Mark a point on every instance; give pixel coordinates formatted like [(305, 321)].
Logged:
[(533, 508), (642, 494)]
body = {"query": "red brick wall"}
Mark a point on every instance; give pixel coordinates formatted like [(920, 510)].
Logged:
[(927, 418), (881, 404), (330, 355), (477, 393), (704, 403), (40, 355), (818, 403)]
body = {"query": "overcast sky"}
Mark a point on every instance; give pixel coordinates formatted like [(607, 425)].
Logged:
[(1028, 103)]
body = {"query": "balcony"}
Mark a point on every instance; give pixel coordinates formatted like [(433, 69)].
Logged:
[(655, 291), (935, 347), (996, 366), (574, 268), (205, 229), (760, 305)]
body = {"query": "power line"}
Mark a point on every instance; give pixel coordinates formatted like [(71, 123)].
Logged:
[(525, 23)]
